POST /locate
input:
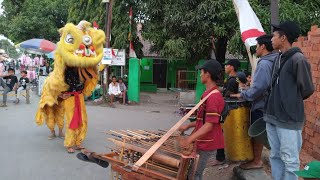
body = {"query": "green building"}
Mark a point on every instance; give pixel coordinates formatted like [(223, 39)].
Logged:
[(161, 73)]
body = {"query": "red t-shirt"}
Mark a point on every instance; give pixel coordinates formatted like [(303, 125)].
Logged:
[(214, 105)]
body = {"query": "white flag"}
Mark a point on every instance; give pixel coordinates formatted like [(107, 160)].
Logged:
[(250, 25)]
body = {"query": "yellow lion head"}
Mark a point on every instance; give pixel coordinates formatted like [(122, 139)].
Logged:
[(81, 45)]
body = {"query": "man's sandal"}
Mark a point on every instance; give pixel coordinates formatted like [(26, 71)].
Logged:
[(87, 157), (247, 166), (79, 148)]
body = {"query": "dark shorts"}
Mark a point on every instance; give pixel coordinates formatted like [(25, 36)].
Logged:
[(255, 115)]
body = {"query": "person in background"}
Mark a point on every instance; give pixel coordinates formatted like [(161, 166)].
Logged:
[(22, 85), (230, 86), (242, 81), (48, 69), (258, 91), (10, 84), (113, 91), (123, 90), (248, 75)]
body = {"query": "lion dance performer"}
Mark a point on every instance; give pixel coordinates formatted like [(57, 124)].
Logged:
[(78, 53)]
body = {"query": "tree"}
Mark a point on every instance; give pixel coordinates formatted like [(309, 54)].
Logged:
[(9, 48), (306, 13), (185, 29), (26, 19), (96, 11)]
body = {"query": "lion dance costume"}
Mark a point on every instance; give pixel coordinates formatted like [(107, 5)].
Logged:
[(78, 53)]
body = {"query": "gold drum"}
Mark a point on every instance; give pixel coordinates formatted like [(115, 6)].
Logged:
[(238, 145)]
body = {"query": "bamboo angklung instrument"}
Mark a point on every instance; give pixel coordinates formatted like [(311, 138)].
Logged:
[(130, 145), (148, 155)]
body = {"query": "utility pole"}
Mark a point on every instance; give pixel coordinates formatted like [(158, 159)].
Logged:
[(104, 77), (274, 8)]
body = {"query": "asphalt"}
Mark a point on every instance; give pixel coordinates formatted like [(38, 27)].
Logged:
[(26, 154)]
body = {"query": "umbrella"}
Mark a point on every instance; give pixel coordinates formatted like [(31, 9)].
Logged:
[(38, 45), (51, 55)]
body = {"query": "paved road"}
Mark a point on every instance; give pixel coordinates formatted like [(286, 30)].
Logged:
[(26, 154)]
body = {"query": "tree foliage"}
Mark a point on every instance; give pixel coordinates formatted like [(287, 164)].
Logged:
[(178, 29), (306, 13), (9, 48), (91, 11), (184, 29), (26, 19)]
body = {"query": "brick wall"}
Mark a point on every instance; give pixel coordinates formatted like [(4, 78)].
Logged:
[(311, 134)]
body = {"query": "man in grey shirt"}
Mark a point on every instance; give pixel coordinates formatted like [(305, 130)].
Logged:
[(257, 92)]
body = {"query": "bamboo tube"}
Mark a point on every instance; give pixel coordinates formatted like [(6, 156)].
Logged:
[(151, 134), (165, 147), (160, 167), (156, 156)]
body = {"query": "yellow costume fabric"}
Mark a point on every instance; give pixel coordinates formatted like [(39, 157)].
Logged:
[(80, 48), (55, 116), (75, 137)]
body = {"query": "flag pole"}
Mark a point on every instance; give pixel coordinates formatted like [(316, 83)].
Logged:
[(252, 59)]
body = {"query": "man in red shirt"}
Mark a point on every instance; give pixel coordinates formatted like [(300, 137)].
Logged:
[(207, 133)]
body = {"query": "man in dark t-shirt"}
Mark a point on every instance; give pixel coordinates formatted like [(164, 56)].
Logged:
[(9, 85), (231, 86)]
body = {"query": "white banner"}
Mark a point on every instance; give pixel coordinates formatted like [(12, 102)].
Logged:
[(107, 56), (120, 57), (114, 57)]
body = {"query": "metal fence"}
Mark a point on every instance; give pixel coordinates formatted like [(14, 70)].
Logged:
[(187, 79)]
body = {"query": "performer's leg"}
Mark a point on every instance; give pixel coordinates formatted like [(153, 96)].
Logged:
[(82, 131), (59, 118), (70, 137), (50, 123)]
